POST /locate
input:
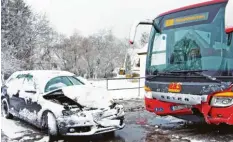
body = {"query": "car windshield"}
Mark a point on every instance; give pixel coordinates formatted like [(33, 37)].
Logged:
[(75, 81), (191, 40), (62, 81)]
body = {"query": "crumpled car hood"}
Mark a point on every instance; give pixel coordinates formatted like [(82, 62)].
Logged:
[(89, 96)]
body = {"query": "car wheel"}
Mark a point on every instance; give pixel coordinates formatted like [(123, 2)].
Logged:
[(52, 127), (5, 109)]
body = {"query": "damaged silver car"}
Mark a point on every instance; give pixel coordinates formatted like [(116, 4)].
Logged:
[(60, 103)]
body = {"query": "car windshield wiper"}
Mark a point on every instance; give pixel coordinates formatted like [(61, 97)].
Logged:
[(198, 72)]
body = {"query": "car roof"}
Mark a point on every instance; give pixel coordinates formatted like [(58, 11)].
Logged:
[(45, 73), (41, 77)]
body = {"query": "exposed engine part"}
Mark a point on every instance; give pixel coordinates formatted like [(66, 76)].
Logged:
[(59, 98)]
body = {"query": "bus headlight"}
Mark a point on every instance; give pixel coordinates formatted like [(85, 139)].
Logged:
[(221, 101), (148, 92), (224, 99)]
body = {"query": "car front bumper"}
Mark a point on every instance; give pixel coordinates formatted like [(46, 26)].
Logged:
[(87, 130), (91, 122)]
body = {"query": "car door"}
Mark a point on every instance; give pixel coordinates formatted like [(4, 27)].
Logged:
[(30, 106), (13, 89)]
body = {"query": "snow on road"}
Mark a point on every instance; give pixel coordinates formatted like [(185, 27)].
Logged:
[(15, 130), (9, 129), (145, 127)]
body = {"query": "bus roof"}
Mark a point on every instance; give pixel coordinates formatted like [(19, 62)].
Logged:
[(194, 6)]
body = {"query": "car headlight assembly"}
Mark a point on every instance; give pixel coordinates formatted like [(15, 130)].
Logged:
[(67, 112), (224, 99), (97, 116)]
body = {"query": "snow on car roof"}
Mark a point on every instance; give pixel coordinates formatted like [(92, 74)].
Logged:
[(45, 73), (43, 76)]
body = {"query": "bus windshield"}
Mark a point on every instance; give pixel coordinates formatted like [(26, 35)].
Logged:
[(194, 39)]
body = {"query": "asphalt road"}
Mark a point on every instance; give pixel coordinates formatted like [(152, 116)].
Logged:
[(141, 126)]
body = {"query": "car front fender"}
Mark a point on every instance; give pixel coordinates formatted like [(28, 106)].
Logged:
[(48, 106)]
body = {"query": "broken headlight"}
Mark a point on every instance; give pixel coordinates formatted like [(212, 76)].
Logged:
[(97, 116), (67, 112), (71, 112)]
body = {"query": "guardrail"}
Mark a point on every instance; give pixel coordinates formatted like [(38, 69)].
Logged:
[(125, 88)]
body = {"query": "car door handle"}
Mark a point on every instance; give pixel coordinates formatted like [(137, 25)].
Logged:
[(33, 92)]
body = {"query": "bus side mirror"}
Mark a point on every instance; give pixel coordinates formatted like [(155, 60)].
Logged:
[(228, 17), (229, 39), (134, 28)]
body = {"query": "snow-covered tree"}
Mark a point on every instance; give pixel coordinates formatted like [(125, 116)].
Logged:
[(28, 42), (15, 34), (26, 37)]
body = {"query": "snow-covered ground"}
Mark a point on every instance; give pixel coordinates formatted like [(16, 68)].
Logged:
[(16, 131)]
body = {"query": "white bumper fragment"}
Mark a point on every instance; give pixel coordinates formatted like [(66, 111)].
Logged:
[(96, 130), (110, 123)]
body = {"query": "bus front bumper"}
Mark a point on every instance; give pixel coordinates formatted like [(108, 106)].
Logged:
[(212, 115)]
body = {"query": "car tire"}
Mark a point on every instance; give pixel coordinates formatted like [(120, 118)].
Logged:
[(5, 109), (52, 127)]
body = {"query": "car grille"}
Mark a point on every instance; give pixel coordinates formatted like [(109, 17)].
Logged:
[(81, 129)]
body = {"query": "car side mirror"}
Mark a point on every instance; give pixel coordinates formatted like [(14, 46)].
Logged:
[(228, 17)]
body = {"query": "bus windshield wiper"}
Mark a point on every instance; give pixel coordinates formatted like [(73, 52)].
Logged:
[(198, 72), (156, 73)]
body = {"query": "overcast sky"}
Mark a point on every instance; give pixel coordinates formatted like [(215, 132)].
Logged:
[(89, 16)]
